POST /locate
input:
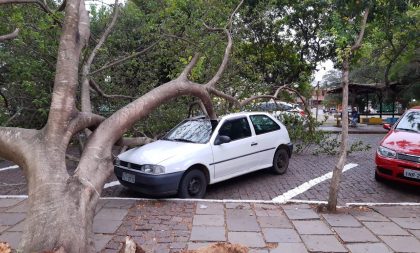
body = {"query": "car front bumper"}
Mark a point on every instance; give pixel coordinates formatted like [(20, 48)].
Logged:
[(154, 185), (393, 169)]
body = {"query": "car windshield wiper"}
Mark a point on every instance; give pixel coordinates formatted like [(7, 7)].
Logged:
[(408, 130), (182, 140)]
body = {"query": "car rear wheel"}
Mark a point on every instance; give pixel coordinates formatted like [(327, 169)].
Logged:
[(193, 185), (280, 161)]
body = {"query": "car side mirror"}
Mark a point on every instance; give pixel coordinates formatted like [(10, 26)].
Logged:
[(220, 139), (387, 126)]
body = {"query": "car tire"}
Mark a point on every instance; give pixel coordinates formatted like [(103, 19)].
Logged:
[(280, 161), (193, 185)]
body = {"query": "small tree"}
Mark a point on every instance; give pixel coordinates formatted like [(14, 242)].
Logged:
[(345, 56)]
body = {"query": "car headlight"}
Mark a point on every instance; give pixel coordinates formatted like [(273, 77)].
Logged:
[(387, 152), (152, 169)]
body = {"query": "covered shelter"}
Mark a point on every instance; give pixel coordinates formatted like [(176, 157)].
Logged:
[(369, 90)]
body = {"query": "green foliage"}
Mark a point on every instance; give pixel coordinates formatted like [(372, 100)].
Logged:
[(391, 50), (316, 141), (27, 64)]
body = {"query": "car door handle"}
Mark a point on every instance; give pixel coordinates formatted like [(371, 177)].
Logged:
[(254, 144)]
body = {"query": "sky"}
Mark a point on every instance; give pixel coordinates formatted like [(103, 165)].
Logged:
[(323, 68)]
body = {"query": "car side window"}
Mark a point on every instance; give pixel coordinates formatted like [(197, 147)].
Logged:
[(236, 129), (263, 124)]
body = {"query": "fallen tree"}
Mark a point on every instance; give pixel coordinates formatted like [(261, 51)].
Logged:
[(62, 205)]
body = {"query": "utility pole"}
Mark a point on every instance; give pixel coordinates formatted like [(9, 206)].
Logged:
[(317, 102)]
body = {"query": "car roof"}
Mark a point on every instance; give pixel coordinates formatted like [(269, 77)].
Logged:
[(231, 115), (238, 114)]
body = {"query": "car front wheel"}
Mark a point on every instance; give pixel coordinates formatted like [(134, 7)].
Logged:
[(378, 178), (193, 185), (280, 161)]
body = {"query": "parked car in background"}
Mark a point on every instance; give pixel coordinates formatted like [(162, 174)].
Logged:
[(332, 110), (279, 108), (398, 155), (198, 152)]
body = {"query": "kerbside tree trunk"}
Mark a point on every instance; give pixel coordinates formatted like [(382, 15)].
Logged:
[(61, 205), (338, 169)]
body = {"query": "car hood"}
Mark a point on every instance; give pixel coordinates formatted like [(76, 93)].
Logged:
[(403, 142), (157, 152)]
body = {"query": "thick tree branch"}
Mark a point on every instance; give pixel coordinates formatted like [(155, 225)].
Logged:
[(189, 67), (133, 142), (223, 95), (10, 36), (81, 121), (116, 62), (358, 42), (108, 132), (76, 25), (96, 87), (14, 143)]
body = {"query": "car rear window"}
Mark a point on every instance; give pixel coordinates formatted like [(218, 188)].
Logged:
[(263, 124)]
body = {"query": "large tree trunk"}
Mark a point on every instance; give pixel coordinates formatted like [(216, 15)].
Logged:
[(59, 215), (62, 205)]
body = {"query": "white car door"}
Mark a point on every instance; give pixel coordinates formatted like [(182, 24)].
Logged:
[(237, 156), (267, 136)]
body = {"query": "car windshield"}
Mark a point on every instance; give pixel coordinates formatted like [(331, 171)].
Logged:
[(410, 122), (192, 130)]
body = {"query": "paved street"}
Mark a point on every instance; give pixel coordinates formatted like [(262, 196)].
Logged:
[(162, 226), (172, 226), (358, 183)]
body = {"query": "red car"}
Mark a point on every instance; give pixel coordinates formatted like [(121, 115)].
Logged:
[(398, 155)]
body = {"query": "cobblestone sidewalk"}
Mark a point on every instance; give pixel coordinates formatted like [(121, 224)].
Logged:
[(172, 226)]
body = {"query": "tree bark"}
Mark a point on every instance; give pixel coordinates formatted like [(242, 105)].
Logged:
[(10, 36), (338, 169), (60, 215)]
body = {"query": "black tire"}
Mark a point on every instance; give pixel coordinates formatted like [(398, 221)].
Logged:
[(193, 185), (378, 178), (280, 161)]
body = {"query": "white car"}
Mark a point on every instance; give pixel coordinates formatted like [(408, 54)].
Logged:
[(198, 152)]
